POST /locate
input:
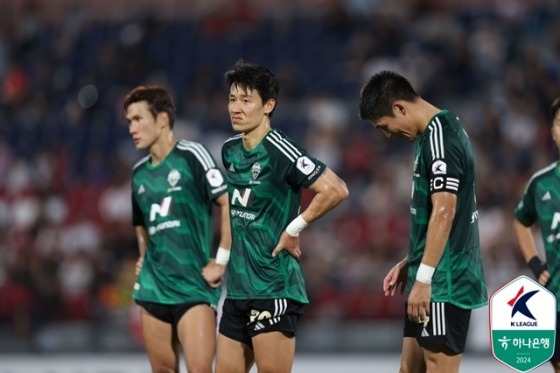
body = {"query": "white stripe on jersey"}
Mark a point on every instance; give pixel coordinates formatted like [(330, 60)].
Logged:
[(436, 139), (140, 162), (197, 154), (282, 148), (441, 148), (234, 137), (200, 152), (284, 141), (280, 142), (538, 173), (203, 151)]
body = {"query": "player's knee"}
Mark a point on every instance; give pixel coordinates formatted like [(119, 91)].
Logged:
[(199, 368), (160, 368)]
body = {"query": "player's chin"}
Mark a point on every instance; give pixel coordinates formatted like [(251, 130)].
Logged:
[(238, 127)]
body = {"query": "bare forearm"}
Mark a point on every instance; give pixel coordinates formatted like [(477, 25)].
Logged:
[(437, 236), (525, 240), (225, 232), (321, 204)]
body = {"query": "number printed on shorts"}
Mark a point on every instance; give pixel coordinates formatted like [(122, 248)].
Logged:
[(259, 316)]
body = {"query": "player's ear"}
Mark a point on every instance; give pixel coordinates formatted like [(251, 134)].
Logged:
[(162, 119), (399, 108), (269, 106)]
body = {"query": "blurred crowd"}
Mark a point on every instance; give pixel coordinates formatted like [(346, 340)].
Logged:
[(67, 247)]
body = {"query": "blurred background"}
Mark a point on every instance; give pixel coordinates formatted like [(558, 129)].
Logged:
[(67, 247)]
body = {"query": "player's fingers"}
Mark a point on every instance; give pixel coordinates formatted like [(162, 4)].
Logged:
[(276, 250), (409, 312)]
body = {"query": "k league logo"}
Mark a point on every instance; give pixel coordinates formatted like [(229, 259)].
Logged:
[(519, 305), (522, 324)]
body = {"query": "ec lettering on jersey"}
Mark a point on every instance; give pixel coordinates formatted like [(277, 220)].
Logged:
[(214, 177), (305, 165), (439, 168)]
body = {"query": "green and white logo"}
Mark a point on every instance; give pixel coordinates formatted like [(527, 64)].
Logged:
[(522, 324)]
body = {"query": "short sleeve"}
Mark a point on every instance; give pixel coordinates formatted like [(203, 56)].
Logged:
[(137, 216), (298, 166), (525, 212), (445, 158)]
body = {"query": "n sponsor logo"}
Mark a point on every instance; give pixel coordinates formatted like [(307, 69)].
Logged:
[(161, 209), (242, 198)]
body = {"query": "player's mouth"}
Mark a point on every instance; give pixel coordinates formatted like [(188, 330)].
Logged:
[(136, 140), (236, 119)]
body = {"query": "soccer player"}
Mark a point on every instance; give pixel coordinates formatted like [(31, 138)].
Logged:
[(443, 270), (174, 191), (541, 203), (266, 172)]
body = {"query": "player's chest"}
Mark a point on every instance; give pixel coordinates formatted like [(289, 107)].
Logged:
[(547, 203), (171, 181)]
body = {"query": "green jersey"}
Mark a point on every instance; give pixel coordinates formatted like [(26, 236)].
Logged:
[(444, 163), (541, 202), (174, 202), (264, 186)]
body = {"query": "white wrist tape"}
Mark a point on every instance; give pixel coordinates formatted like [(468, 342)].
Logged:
[(296, 226), (222, 256), (425, 273)]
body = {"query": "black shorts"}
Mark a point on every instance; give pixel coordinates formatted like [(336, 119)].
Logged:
[(169, 313), (556, 357), (448, 326), (244, 319)]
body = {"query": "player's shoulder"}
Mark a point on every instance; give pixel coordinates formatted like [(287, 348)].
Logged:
[(195, 151), (232, 142), (544, 173), (140, 165), (280, 145)]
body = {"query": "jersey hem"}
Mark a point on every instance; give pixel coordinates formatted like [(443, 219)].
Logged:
[(271, 296), (461, 305)]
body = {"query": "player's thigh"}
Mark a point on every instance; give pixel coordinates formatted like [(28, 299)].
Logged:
[(274, 352), (160, 342), (233, 356), (412, 357), (196, 330), (440, 359)]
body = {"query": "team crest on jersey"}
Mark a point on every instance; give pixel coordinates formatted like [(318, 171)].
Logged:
[(173, 179), (256, 170)]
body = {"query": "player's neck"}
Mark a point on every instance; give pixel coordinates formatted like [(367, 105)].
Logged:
[(161, 148), (253, 138), (424, 113)]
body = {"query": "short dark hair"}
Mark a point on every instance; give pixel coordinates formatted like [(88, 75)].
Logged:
[(381, 91), (159, 100), (254, 77), (554, 107)]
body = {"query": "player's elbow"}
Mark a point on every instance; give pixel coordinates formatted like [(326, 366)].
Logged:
[(339, 192)]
